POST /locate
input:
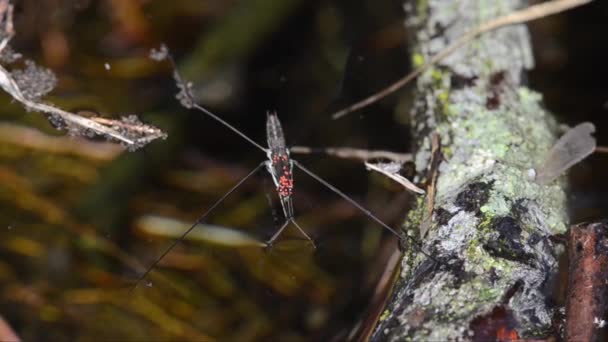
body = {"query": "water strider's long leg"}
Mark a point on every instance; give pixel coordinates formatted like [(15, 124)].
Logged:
[(199, 220), (278, 232), (293, 220), (360, 207)]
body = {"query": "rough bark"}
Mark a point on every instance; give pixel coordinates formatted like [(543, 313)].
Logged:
[(493, 262), (587, 299)]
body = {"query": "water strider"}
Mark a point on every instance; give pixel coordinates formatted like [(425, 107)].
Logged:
[(280, 167)]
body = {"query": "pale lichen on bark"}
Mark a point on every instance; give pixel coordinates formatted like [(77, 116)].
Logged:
[(491, 222)]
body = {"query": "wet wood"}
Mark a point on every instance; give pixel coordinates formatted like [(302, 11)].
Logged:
[(587, 299)]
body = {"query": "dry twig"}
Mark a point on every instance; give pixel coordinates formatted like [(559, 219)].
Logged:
[(354, 153), (391, 170), (7, 333), (601, 149), (518, 17), (432, 184)]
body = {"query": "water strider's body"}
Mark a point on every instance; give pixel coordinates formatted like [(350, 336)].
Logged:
[(279, 164), (280, 167)]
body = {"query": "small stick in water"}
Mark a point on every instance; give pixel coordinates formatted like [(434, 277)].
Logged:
[(354, 153), (391, 170)]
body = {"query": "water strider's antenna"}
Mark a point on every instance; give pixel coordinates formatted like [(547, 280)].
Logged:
[(187, 100), (234, 129)]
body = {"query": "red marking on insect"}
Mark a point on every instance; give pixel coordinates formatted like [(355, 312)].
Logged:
[(285, 187)]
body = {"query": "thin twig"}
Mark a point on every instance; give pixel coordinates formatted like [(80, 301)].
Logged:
[(518, 17), (365, 327), (6, 19), (395, 176), (431, 189), (601, 149), (354, 153), (7, 333)]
